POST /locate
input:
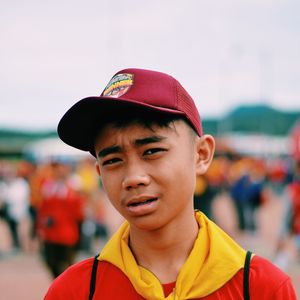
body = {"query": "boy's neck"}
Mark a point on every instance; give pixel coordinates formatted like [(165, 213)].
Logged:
[(164, 251)]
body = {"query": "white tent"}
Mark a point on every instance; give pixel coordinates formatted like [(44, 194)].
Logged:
[(258, 145), (49, 149)]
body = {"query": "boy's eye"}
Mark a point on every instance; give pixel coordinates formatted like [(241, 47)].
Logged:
[(153, 151), (111, 161)]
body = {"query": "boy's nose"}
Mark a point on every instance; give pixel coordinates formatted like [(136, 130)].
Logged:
[(135, 176)]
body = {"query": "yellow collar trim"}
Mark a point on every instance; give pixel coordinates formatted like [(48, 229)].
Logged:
[(213, 261)]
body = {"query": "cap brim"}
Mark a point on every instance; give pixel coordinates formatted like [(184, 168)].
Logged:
[(80, 124)]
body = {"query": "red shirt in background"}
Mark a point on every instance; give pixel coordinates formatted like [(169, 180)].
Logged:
[(60, 214)]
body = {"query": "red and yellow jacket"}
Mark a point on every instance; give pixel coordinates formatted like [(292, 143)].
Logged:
[(214, 270)]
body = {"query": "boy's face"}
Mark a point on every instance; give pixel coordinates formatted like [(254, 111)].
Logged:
[(149, 174)]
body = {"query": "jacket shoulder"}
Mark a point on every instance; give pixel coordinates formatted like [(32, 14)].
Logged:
[(72, 283), (267, 280)]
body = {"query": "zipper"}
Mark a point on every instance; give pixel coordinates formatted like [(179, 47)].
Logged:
[(174, 292)]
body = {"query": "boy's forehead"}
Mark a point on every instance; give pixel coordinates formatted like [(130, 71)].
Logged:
[(134, 129), (137, 130)]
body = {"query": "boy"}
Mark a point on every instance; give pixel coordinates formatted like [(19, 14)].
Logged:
[(146, 135)]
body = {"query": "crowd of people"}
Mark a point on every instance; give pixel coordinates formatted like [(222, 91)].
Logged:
[(252, 183), (59, 207), (55, 207)]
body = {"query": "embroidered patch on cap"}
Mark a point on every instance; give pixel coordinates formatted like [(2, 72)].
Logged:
[(118, 85)]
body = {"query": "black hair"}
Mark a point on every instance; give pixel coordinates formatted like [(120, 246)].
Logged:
[(121, 116)]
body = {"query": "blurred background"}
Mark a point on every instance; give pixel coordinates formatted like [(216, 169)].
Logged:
[(240, 61)]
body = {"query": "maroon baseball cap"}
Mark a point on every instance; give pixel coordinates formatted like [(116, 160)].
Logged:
[(147, 89)]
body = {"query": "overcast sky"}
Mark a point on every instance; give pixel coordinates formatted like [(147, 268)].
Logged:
[(224, 52)]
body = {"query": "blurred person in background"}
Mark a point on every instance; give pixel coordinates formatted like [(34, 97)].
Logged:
[(211, 184), (290, 226), (247, 191), (294, 193), (42, 173), (59, 218), (3, 206), (203, 196), (94, 225), (15, 201)]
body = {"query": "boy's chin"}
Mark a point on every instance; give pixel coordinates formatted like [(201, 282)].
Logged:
[(146, 223)]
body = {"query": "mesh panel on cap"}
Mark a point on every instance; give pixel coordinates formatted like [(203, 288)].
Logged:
[(186, 104)]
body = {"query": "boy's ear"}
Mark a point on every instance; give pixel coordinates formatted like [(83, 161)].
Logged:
[(97, 168), (205, 152)]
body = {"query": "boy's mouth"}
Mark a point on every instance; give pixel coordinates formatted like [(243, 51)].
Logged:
[(142, 202), (142, 205)]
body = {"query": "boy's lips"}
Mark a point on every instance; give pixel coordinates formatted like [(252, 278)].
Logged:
[(143, 205), (136, 201)]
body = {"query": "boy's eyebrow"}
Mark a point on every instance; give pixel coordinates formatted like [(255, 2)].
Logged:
[(137, 142), (109, 150), (149, 140)]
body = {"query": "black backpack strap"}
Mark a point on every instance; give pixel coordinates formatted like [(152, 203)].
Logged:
[(93, 277), (246, 276)]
